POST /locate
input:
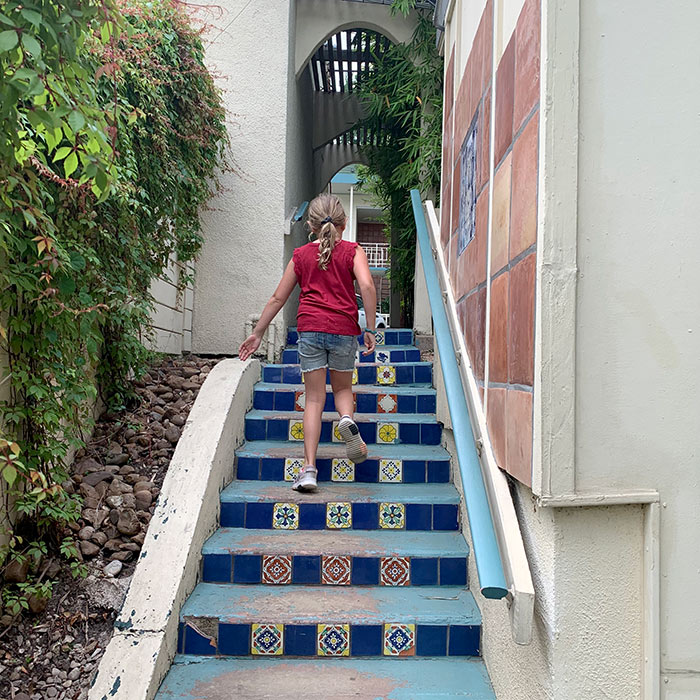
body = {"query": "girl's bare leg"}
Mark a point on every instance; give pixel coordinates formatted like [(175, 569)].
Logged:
[(315, 387), (341, 382)]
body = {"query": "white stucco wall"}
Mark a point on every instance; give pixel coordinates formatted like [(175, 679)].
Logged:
[(638, 299)]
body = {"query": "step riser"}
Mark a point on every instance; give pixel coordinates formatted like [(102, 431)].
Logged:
[(338, 638), (291, 356), (365, 402), (408, 373), (334, 570), (404, 471), (380, 432), (340, 516), (383, 337)]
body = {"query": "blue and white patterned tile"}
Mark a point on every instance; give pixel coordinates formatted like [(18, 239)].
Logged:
[(342, 470), (386, 374), (392, 516), (285, 516), (399, 639), (267, 640), (333, 640), (338, 515), (292, 467), (391, 471)]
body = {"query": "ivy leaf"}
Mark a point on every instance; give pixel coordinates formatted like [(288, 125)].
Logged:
[(66, 285), (77, 261), (61, 153), (10, 474), (71, 163), (31, 45), (8, 40), (76, 120)]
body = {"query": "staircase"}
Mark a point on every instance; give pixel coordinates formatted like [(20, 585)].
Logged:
[(356, 591)]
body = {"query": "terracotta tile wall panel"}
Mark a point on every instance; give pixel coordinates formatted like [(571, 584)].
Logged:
[(527, 62), (498, 330), (484, 136), (501, 215), (472, 262), (496, 422), (455, 196), (475, 329), (453, 262), (523, 220), (445, 213), (519, 435), (521, 322), (464, 108), (504, 100)]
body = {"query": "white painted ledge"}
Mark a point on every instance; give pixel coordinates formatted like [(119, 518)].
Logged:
[(187, 512)]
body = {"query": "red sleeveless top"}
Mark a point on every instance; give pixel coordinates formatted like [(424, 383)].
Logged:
[(327, 299)]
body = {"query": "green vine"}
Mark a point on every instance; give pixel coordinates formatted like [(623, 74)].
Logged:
[(110, 132), (403, 96)]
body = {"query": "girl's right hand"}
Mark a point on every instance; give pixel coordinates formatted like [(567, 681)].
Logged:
[(370, 343), (248, 346)]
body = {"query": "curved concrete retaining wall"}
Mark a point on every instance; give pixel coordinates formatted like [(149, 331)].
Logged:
[(143, 646)]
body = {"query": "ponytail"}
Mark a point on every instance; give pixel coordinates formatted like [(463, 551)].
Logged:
[(326, 216), (326, 238)]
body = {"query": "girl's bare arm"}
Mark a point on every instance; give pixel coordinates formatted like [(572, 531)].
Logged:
[(368, 293)]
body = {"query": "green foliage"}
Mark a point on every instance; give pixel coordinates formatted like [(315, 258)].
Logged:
[(110, 131), (403, 96)]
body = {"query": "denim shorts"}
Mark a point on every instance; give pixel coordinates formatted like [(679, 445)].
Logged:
[(318, 350)]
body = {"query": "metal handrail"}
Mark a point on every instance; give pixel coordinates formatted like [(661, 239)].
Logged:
[(499, 551)]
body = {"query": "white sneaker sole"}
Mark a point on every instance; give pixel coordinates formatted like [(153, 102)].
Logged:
[(306, 485), (354, 444)]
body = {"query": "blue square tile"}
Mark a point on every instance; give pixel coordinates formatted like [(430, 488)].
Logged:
[(216, 568), (423, 374), (247, 568), (464, 640), (324, 469), (430, 433), (312, 516), (263, 399), (365, 516), (445, 517), (413, 355), (424, 572), (404, 374), (413, 472), (365, 571), (439, 471), (391, 338), (272, 469), (366, 374), (409, 433), (330, 403), (326, 430), (300, 640), (366, 403), (306, 569), (367, 472), (398, 356), (431, 640), (368, 432), (426, 403), (405, 403), (290, 356), (372, 357), (255, 429), (180, 636), (232, 514), (259, 515), (248, 468), (366, 640), (453, 571), (418, 516), (284, 401), (291, 374), (277, 429), (196, 643), (234, 640), (406, 337), (272, 373), (292, 337)]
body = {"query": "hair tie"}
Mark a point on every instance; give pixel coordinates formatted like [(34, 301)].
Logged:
[(328, 220)]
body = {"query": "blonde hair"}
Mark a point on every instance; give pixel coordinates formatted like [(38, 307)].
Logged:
[(326, 216)]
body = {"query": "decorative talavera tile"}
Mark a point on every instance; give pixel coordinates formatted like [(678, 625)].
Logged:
[(335, 433), (342, 470), (386, 374), (382, 357), (267, 639), (338, 515), (292, 467), (299, 400), (392, 516), (276, 569), (296, 430), (354, 376), (399, 640), (285, 516), (395, 571), (333, 640), (335, 571), (391, 471), (387, 433), (386, 403), (379, 338)]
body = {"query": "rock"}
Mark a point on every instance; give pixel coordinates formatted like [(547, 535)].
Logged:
[(190, 386), (114, 501), (128, 523), (37, 603), (99, 538), (157, 417), (114, 516), (129, 433), (16, 572), (143, 499), (143, 440), (68, 487), (143, 486), (107, 592), (189, 371), (95, 477), (129, 547), (91, 502), (53, 568), (73, 675), (172, 434), (87, 490), (174, 381), (113, 568), (178, 420), (89, 549), (22, 696), (113, 468), (133, 478), (86, 532), (139, 538), (121, 556), (95, 517), (127, 469), (87, 465), (6, 620), (162, 444)]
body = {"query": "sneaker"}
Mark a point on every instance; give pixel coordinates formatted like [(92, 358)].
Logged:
[(354, 444), (306, 480)]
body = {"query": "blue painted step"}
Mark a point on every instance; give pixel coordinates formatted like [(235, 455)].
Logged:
[(271, 505), (411, 429), (315, 679), (366, 373), (383, 353), (368, 398), (379, 558), (234, 620), (276, 460), (386, 336)]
